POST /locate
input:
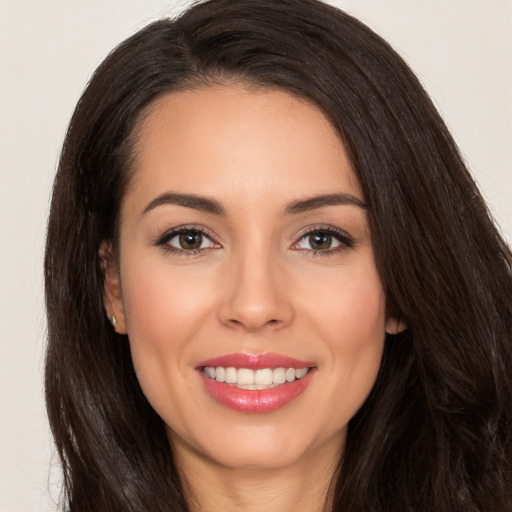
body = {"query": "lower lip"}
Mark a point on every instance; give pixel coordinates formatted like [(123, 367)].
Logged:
[(256, 400)]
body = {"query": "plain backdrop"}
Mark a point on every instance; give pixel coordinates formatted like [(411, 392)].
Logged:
[(460, 49)]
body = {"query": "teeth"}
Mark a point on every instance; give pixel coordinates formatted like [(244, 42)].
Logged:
[(210, 372), (263, 377), (246, 378), (300, 373), (220, 374), (279, 376), (231, 375)]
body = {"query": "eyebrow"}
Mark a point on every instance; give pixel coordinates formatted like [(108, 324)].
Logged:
[(209, 205), (316, 202), (201, 203)]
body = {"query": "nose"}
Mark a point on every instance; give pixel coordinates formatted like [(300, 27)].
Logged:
[(257, 297)]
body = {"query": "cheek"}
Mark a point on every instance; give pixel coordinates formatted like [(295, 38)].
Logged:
[(162, 305), (363, 314), (349, 308), (164, 312), (351, 321), (361, 330)]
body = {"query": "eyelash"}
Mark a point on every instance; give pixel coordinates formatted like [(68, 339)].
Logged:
[(345, 240)]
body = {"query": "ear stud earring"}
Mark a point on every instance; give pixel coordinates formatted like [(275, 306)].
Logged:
[(395, 326), (113, 321)]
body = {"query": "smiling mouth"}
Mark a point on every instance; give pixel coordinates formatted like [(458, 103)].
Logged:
[(255, 383), (246, 378)]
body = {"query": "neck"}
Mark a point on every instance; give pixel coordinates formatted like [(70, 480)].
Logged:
[(302, 486)]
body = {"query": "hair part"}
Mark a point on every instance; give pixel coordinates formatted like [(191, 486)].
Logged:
[(435, 432)]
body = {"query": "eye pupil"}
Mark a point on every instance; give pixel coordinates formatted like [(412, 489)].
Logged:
[(320, 241), (190, 240)]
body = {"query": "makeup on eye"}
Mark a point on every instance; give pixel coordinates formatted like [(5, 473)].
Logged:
[(318, 239)]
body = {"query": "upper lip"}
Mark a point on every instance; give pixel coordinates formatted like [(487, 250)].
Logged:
[(255, 361)]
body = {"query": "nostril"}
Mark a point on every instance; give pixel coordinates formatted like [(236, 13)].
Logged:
[(254, 326)]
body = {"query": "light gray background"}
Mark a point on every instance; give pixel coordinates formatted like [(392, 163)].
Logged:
[(460, 49)]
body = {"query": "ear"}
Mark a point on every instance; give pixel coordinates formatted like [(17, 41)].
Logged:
[(112, 296), (395, 326)]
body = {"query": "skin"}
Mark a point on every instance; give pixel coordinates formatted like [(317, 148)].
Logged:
[(256, 286)]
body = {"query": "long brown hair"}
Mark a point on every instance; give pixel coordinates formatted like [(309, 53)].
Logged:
[(436, 432)]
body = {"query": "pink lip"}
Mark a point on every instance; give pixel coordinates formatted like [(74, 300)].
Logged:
[(254, 400), (255, 362)]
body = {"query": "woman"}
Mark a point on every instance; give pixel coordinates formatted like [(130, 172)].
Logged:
[(271, 282)]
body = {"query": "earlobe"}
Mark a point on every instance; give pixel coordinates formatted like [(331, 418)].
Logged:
[(395, 326), (112, 296)]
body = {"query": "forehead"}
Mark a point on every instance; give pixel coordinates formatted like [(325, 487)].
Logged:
[(226, 140)]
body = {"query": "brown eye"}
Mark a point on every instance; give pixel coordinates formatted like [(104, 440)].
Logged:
[(323, 240), (187, 240), (319, 241), (190, 240)]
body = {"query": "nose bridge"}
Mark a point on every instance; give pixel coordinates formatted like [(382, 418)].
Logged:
[(255, 297)]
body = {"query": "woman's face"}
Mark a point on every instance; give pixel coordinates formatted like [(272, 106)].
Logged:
[(244, 247)]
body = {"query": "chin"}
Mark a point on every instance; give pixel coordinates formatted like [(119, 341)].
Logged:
[(258, 447)]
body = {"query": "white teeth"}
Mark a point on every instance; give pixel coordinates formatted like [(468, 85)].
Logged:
[(300, 373), (246, 378), (210, 372), (254, 386), (279, 376), (263, 377), (231, 375), (220, 374)]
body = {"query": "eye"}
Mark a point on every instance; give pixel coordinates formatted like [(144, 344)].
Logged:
[(190, 240), (318, 241), (186, 240), (324, 240)]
